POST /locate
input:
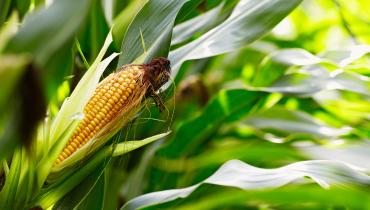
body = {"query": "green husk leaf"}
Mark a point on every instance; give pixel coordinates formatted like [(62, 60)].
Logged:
[(125, 147), (44, 166), (7, 194), (60, 189), (8, 30), (82, 93)]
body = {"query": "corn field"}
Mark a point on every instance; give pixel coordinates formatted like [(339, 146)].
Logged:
[(185, 104)]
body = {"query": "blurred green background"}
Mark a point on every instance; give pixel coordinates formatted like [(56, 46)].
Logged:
[(268, 82)]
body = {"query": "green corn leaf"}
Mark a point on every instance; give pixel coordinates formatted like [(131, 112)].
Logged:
[(99, 160), (9, 190), (125, 147), (8, 30), (249, 21), (200, 23), (152, 20), (44, 23), (235, 173), (226, 105)]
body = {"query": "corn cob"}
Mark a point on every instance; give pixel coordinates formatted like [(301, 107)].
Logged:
[(119, 92)]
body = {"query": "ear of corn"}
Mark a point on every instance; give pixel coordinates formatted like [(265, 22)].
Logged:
[(115, 100)]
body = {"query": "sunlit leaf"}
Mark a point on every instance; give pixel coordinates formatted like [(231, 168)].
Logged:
[(276, 63), (128, 146), (346, 56), (281, 119), (296, 57), (356, 154), (249, 21), (308, 83), (348, 106), (200, 23), (237, 174), (8, 30)]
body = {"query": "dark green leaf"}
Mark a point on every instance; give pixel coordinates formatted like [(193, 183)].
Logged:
[(88, 194), (4, 10), (249, 21), (57, 24), (149, 24), (123, 20)]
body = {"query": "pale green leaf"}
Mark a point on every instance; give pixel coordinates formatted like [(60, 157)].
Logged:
[(249, 21), (125, 147), (235, 173)]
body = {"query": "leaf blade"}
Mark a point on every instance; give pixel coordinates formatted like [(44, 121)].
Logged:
[(235, 173)]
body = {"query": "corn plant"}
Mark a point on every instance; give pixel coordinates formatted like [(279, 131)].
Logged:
[(240, 104)]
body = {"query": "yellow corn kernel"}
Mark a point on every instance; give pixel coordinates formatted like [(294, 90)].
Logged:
[(96, 112), (117, 92)]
